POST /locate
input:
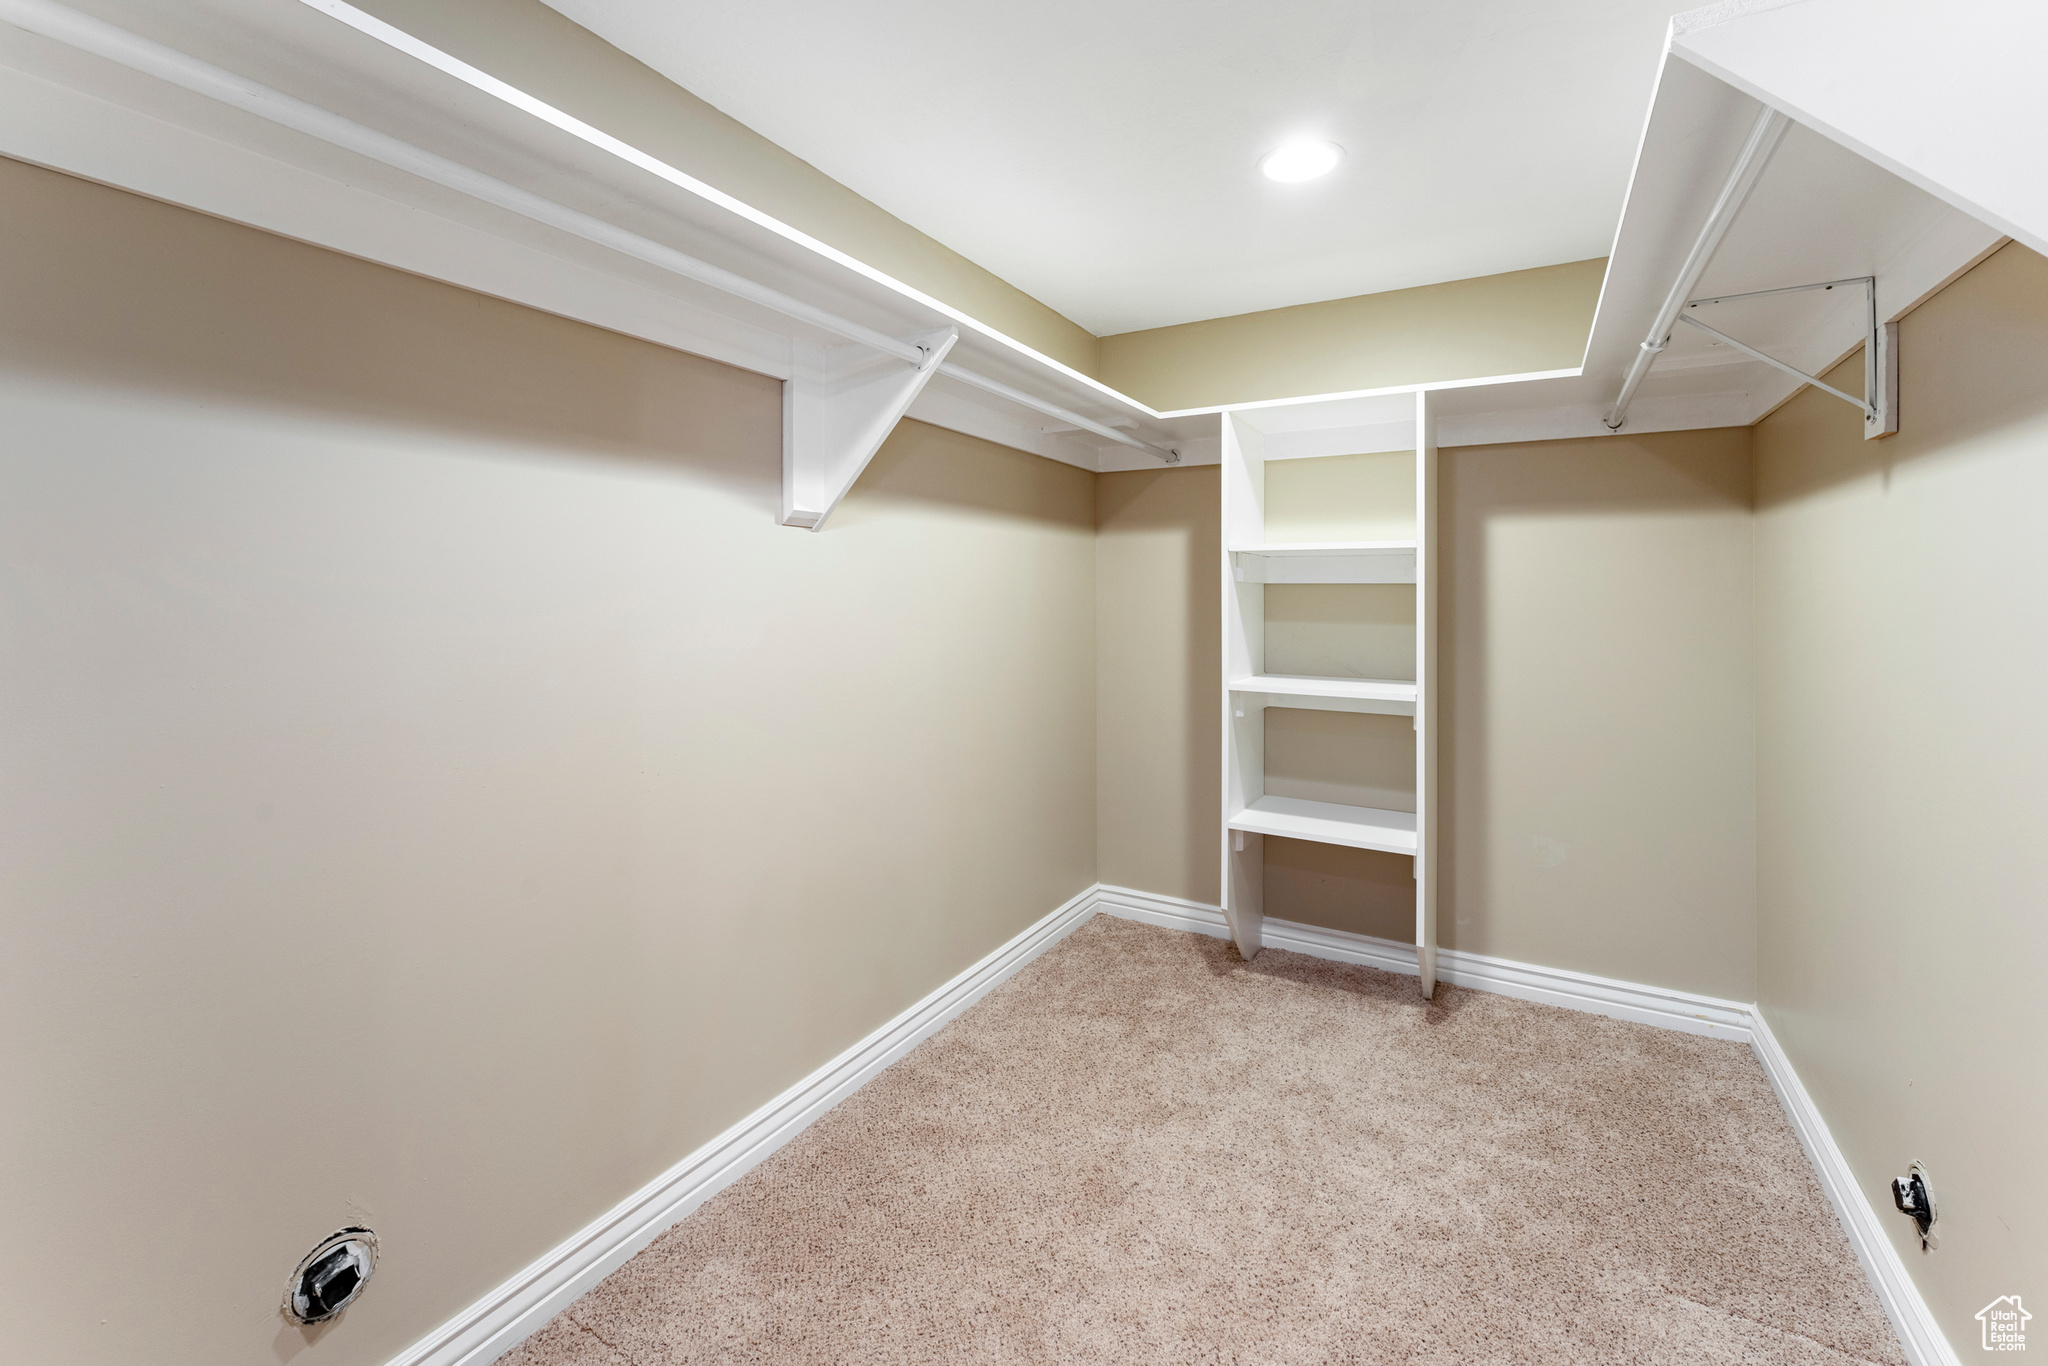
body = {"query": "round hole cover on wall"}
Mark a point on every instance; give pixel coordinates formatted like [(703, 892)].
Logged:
[(331, 1276)]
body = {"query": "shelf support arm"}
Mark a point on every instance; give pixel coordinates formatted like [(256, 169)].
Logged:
[(836, 415)]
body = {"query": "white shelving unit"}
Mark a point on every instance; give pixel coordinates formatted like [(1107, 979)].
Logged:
[(1251, 564)]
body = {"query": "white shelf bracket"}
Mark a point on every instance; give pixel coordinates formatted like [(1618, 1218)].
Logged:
[(838, 406), (1880, 407)]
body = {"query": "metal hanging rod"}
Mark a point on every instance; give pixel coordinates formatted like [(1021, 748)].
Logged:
[(1756, 152), (1002, 390), (102, 39)]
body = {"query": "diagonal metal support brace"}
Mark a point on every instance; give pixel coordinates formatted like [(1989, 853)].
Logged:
[(839, 405), (1879, 407), (1773, 361)]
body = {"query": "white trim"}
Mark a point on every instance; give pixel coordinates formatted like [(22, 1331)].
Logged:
[(1919, 1335), (1384, 391), (1167, 912), (1660, 1006), (505, 1317)]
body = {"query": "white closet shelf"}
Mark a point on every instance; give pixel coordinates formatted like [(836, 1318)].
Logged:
[(1330, 694), (1325, 548), (1359, 827), (1325, 562)]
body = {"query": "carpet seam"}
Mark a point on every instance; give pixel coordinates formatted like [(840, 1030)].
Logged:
[(588, 1331), (1768, 1327)]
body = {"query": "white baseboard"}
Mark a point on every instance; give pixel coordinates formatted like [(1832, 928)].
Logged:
[(1660, 1006), (1167, 912), (515, 1310), (1918, 1333)]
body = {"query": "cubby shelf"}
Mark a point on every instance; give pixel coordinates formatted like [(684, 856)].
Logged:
[(1330, 694), (1286, 548), (1360, 827), (1325, 562)]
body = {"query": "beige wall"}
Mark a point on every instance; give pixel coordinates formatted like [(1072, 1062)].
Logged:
[(1159, 626), (534, 48), (436, 793), (1527, 320), (1598, 653), (1364, 496), (1903, 779)]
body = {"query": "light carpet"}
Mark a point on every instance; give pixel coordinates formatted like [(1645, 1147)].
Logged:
[(1142, 1149)]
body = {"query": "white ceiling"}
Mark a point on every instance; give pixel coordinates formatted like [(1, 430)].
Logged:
[(1102, 156)]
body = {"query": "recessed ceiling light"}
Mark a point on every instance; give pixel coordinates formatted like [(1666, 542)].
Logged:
[(1301, 161)]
